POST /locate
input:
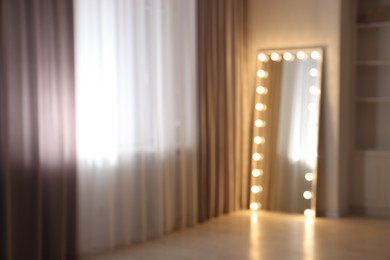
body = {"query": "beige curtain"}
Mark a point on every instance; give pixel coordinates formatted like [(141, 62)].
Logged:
[(225, 113), (37, 130)]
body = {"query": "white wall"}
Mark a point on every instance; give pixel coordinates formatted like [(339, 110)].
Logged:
[(300, 23)]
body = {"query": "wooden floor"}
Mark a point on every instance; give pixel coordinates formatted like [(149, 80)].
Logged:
[(266, 236)]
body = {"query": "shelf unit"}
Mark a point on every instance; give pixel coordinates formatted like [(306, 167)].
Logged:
[(371, 164)]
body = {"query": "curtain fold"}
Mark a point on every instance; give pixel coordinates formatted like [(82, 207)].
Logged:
[(136, 120), (224, 110), (37, 130)]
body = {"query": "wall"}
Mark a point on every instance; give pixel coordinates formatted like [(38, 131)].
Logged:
[(300, 23)]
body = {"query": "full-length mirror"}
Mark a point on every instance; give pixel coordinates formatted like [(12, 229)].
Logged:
[(285, 130)]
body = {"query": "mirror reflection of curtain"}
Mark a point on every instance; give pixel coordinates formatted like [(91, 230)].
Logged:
[(293, 151), (136, 120), (225, 116)]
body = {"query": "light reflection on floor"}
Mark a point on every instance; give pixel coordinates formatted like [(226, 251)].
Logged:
[(264, 236)]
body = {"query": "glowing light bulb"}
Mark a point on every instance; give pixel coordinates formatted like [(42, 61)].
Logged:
[(314, 90), (307, 195), (259, 123), (261, 90), (261, 107), (309, 176), (259, 140), (255, 189), (275, 56), (257, 172), (262, 57), (315, 55), (301, 55), (255, 206), (309, 213), (262, 74), (311, 107), (257, 156), (288, 56), (313, 72)]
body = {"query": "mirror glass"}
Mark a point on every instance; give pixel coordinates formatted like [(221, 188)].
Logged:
[(286, 112)]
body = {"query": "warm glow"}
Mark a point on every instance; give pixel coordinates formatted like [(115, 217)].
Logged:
[(262, 74), (254, 218), (256, 189), (259, 123), (315, 55), (257, 156), (308, 239), (275, 56), (261, 90), (288, 56), (301, 55), (309, 213), (255, 206), (259, 140), (313, 72), (307, 195), (257, 172), (262, 57), (261, 107), (309, 176), (314, 90)]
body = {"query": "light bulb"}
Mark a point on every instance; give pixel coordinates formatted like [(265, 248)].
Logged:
[(257, 172), (275, 56), (259, 140), (309, 213), (262, 74), (259, 123), (313, 72), (315, 55), (262, 57), (309, 176), (314, 90), (301, 55), (261, 107), (261, 90), (255, 189), (288, 56), (255, 206), (307, 195), (257, 156)]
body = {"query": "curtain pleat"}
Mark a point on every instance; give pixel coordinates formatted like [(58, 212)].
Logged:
[(136, 120), (37, 130), (224, 113)]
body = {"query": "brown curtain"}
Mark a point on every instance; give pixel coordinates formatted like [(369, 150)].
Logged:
[(37, 130), (224, 110)]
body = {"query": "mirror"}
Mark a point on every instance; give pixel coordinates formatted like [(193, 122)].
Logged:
[(285, 130)]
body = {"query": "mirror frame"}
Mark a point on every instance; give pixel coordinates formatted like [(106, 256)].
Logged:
[(262, 113)]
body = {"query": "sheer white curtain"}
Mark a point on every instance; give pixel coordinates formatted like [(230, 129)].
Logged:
[(136, 119)]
